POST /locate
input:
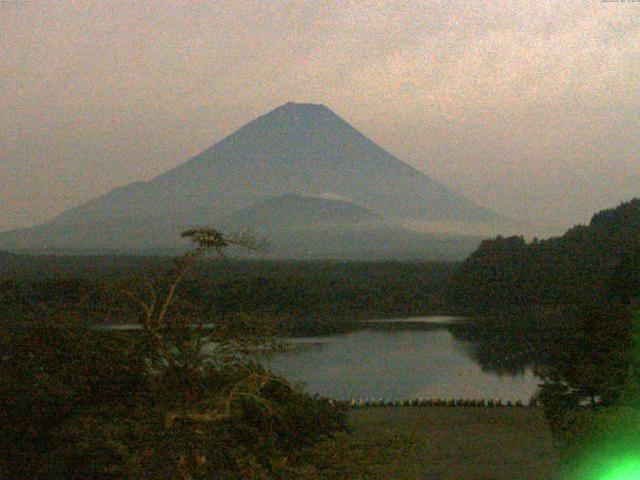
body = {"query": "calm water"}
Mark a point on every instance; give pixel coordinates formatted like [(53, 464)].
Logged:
[(396, 359)]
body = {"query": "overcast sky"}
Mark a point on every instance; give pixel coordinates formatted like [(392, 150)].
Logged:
[(529, 107)]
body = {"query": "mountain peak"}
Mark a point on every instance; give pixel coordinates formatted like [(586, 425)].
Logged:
[(302, 110), (291, 120), (297, 147), (303, 106)]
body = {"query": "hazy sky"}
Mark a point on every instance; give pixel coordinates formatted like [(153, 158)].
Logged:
[(528, 107)]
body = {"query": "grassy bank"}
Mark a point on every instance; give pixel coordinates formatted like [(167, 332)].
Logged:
[(455, 443)]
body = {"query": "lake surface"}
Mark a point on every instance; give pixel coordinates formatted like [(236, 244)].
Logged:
[(395, 359)]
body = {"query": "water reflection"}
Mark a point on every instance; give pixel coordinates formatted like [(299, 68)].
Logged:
[(399, 359), (503, 347)]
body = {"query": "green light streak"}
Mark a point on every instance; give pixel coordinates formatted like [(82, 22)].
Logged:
[(613, 451), (625, 470)]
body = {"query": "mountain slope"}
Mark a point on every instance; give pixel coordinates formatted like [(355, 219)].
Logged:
[(296, 148), (300, 226), (300, 212)]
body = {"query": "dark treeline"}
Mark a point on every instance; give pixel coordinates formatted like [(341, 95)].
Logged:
[(307, 297), (586, 264), (569, 300), (575, 300), (546, 302), (518, 286)]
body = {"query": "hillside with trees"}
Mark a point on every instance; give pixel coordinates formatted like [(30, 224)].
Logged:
[(576, 299), (574, 269)]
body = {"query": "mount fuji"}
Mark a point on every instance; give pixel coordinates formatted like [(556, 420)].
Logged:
[(299, 168)]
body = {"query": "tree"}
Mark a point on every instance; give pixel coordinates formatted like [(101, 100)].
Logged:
[(178, 401)]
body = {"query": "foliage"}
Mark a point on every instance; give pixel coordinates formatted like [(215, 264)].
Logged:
[(50, 372), (303, 297), (592, 361), (585, 286), (591, 438), (597, 360), (80, 403), (571, 270)]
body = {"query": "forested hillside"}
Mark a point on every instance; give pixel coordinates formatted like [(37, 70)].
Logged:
[(573, 269), (572, 300)]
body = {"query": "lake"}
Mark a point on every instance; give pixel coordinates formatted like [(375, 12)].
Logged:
[(396, 359)]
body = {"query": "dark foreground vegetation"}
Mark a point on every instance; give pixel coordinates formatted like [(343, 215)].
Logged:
[(577, 297), (77, 403), (81, 404)]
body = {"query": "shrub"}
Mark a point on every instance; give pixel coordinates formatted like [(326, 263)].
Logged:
[(83, 404)]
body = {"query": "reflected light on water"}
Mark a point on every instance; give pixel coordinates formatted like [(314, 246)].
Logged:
[(398, 363)]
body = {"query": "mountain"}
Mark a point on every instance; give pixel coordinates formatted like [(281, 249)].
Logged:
[(300, 212), (299, 149), (300, 226)]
